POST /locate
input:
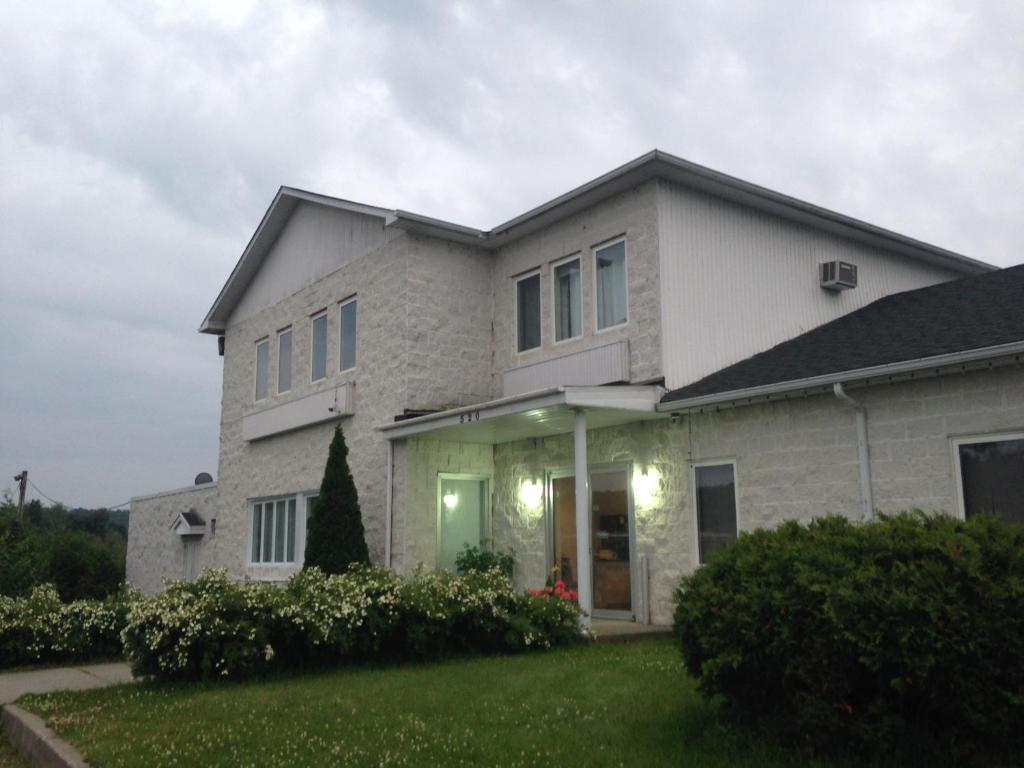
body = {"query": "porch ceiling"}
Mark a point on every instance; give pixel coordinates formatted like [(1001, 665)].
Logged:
[(538, 414)]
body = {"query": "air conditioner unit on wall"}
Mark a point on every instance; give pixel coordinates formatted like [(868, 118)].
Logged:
[(838, 275)]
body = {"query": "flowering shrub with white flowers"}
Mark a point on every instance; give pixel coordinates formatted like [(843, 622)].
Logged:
[(40, 628), (217, 627)]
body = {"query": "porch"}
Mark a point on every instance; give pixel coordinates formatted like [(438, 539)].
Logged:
[(519, 472)]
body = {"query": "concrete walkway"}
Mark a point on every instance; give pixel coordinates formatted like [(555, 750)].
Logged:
[(15, 684)]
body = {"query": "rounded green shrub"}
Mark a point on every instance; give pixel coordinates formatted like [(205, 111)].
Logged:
[(899, 639)]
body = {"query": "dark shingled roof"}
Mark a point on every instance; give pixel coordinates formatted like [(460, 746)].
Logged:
[(970, 313)]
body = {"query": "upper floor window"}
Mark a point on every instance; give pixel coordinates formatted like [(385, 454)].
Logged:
[(610, 267), (348, 334), (528, 312), (715, 492), (284, 360), (262, 367), (991, 475), (567, 300), (318, 352)]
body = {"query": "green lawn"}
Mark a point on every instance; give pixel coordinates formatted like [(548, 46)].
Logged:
[(625, 704)]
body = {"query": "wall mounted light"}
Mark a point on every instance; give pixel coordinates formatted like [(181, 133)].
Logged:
[(647, 493), (531, 497), (451, 500)]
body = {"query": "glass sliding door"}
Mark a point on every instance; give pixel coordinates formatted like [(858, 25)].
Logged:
[(463, 517), (611, 529)]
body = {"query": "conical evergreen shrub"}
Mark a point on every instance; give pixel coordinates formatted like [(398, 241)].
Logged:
[(335, 536)]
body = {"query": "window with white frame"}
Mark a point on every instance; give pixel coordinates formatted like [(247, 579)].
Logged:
[(318, 347), (347, 316), (568, 312), (715, 493), (528, 312), (610, 280), (273, 531), (463, 516), (284, 360), (262, 367), (991, 476)]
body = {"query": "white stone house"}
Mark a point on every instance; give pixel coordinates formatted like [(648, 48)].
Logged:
[(585, 383)]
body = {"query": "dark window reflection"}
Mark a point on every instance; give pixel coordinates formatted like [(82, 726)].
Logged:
[(716, 507), (993, 476)]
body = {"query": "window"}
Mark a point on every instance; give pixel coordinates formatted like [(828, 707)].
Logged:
[(462, 516), (715, 491), (262, 364), (318, 358), (991, 474), (284, 360), (273, 531), (528, 312), (567, 300), (610, 268), (348, 335)]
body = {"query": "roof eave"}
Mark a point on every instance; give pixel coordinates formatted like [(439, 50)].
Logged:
[(813, 383)]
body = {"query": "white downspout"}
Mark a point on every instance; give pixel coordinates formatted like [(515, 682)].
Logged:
[(388, 504), (866, 494), (584, 567)]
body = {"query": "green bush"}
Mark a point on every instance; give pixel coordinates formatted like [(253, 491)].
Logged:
[(480, 560), (41, 628), (901, 638), (215, 627)]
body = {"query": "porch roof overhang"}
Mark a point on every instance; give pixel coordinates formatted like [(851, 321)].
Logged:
[(534, 414)]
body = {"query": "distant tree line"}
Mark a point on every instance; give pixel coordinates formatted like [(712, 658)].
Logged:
[(80, 551)]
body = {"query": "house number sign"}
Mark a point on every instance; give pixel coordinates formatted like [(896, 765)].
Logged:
[(467, 417)]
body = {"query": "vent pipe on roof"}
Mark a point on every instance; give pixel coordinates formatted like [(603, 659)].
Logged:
[(866, 495)]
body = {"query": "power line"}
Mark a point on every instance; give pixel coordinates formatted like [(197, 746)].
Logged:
[(54, 501)]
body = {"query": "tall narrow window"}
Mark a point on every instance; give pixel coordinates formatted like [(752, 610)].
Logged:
[(348, 335), (284, 360), (528, 312), (716, 506), (567, 300), (318, 360), (462, 516), (262, 366), (992, 477), (610, 263)]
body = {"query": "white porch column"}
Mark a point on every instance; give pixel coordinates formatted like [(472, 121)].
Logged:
[(584, 567)]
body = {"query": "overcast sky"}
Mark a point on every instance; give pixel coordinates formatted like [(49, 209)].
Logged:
[(140, 145)]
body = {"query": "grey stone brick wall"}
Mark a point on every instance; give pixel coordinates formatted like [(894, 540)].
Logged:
[(155, 552), (632, 213)]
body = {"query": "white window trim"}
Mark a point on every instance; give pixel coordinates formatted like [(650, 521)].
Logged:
[(487, 508), (515, 311), (578, 256), (625, 258), (353, 299), (694, 465), (312, 340), (256, 371), (281, 333), (958, 476), (300, 529)]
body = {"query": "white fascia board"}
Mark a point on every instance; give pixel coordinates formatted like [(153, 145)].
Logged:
[(642, 399), (936, 363)]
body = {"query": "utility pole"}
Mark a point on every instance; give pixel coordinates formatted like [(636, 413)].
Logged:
[(22, 481)]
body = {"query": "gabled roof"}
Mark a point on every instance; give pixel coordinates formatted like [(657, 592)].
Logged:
[(653, 165), (974, 318), (189, 523)]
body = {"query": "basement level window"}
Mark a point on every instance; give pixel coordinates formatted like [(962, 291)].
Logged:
[(991, 476)]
